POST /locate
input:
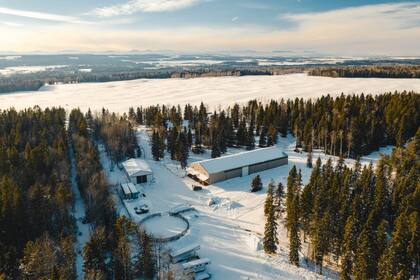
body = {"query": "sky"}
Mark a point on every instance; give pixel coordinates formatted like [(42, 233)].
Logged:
[(332, 27)]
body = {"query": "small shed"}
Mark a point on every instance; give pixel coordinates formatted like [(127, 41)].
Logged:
[(184, 253), (137, 171), (129, 191), (196, 265)]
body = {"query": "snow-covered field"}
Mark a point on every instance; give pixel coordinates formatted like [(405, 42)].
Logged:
[(230, 231), (223, 91)]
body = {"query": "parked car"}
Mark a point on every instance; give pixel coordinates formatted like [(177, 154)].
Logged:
[(197, 188), (142, 209)]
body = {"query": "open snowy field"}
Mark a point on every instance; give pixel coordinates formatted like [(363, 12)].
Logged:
[(223, 91)]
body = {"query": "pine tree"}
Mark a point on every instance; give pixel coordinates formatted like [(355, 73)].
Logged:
[(269, 201), (95, 254), (256, 184), (290, 195), (270, 231), (294, 238), (156, 146), (263, 138), (396, 263), (182, 150), (279, 196), (215, 151)]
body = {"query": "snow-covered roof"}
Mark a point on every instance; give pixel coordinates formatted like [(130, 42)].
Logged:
[(135, 166), (195, 263), (241, 159), (184, 250), (197, 174)]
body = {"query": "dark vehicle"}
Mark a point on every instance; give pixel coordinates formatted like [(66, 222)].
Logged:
[(142, 209), (197, 188)]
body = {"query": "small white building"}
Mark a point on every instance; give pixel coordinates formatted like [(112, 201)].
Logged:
[(195, 266), (137, 171), (129, 191), (184, 253)]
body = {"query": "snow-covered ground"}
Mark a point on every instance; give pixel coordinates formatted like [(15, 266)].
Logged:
[(79, 212), (230, 231), (119, 96)]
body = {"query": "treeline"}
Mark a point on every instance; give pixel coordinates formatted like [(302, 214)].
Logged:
[(348, 126), (13, 85), (34, 81), (374, 71), (365, 220), (36, 225), (117, 134), (117, 248)]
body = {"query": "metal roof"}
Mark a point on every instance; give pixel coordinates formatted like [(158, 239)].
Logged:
[(241, 159), (135, 166)]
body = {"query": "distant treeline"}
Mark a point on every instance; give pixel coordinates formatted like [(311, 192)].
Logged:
[(31, 83), (374, 71)]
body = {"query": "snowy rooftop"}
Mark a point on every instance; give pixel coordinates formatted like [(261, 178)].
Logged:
[(190, 264), (135, 165), (184, 250), (241, 159)]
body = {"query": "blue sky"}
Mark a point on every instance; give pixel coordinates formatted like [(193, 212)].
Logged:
[(340, 27)]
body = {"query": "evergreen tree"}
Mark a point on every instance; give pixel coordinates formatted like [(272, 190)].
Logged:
[(256, 184), (156, 146), (263, 138), (294, 237), (279, 196), (270, 232)]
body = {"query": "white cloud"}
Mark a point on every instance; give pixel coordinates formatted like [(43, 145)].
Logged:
[(39, 15), (386, 29), (235, 19), (135, 6), (10, 23)]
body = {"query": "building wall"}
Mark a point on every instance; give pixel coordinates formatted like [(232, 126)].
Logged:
[(229, 174), (267, 165)]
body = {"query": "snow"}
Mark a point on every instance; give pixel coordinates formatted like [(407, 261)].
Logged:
[(28, 69), (223, 91), (241, 159), (79, 212), (135, 166), (230, 231), (164, 226), (10, 57)]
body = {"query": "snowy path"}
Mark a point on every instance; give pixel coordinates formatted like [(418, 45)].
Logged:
[(79, 213)]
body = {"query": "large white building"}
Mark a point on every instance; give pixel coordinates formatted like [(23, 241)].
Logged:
[(137, 171), (242, 164)]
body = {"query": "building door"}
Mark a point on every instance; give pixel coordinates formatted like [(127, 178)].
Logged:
[(142, 179)]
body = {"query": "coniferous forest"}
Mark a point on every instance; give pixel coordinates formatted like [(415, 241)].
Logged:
[(348, 126), (363, 219), (372, 71)]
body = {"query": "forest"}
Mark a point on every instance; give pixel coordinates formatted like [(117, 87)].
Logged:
[(38, 235), (365, 221), (370, 71), (36, 200), (350, 126)]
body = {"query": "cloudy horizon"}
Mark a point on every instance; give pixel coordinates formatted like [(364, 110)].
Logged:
[(352, 28)]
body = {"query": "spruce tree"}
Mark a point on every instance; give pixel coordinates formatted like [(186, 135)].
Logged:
[(294, 236), (156, 146), (256, 184), (270, 231), (263, 138)]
